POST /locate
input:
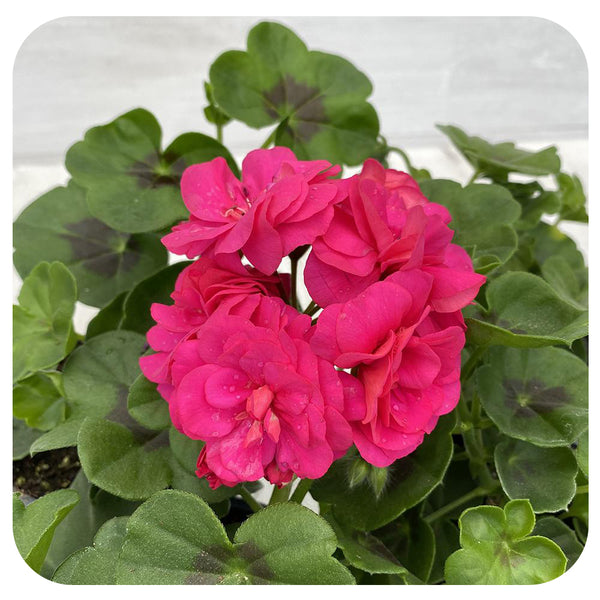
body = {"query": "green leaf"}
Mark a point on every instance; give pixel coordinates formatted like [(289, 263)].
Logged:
[(411, 479), (549, 241), (534, 201), (97, 377), (537, 395), (146, 405), (97, 564), (526, 313), (81, 524), (184, 456), (129, 464), (104, 262), (212, 112), (412, 541), (497, 548), (446, 542), (546, 476), (497, 160), (108, 318), (318, 100), (175, 538), (23, 438), (562, 535), (582, 453), (570, 284), (39, 401), (366, 552), (483, 217), (42, 323), (572, 197), (132, 185), (34, 525), (156, 288)]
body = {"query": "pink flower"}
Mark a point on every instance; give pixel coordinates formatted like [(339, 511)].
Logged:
[(280, 204), (254, 391), (201, 288), (407, 358), (384, 225)]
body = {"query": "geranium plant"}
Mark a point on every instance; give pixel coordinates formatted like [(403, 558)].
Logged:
[(409, 351)]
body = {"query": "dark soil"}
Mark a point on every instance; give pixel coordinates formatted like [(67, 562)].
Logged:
[(45, 472)]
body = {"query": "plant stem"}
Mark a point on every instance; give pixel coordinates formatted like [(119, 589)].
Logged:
[(476, 493), (474, 177), (219, 133), (250, 501), (582, 489), (404, 156), (301, 490), (280, 494), (471, 363), (270, 139), (312, 308)]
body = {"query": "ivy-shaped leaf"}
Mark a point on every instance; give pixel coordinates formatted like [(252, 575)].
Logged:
[(497, 160), (105, 262), (96, 379), (156, 288), (536, 395), (175, 538), (39, 400), (497, 548), (562, 535), (95, 565), (132, 184), (546, 476), (34, 524), (483, 217), (318, 100), (42, 323), (147, 406), (525, 312), (94, 508), (131, 463), (410, 480)]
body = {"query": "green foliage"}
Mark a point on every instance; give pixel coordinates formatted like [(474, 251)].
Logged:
[(546, 476), (536, 395), (34, 525), (498, 160), (175, 538), (42, 322), (497, 548), (132, 184), (96, 565), (105, 262), (459, 510), (483, 217), (411, 479), (316, 100)]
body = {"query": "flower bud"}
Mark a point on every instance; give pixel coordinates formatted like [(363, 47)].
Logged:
[(358, 472), (378, 479)]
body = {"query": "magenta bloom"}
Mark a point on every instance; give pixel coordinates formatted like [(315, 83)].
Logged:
[(201, 288), (408, 360), (254, 391), (384, 225), (280, 204)]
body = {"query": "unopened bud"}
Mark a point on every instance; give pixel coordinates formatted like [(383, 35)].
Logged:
[(378, 479), (358, 472)]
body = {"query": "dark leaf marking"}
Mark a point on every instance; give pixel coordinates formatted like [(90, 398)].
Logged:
[(531, 398)]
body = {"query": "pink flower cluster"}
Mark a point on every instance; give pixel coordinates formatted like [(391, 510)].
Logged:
[(272, 393)]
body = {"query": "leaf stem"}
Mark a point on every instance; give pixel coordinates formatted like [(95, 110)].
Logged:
[(471, 363), (582, 489), (280, 494), (219, 133), (301, 490), (474, 177), (270, 139), (404, 156), (478, 492), (250, 500), (312, 308)]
